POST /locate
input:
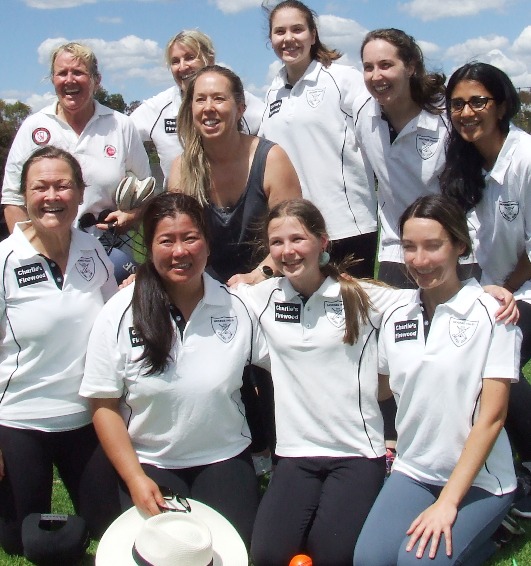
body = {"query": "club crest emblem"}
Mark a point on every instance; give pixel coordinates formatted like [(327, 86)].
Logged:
[(509, 209), (41, 136), (335, 313), (225, 327), (426, 146), (86, 267), (315, 97), (461, 331)]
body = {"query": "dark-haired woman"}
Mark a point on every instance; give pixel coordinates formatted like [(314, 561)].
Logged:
[(402, 131), (488, 170), (164, 372), (449, 363), (309, 113), (55, 280)]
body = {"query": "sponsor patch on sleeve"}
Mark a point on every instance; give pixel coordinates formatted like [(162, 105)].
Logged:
[(170, 125), (136, 339), (287, 312), (406, 330), (30, 274)]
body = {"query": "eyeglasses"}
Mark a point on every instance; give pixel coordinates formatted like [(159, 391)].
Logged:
[(475, 103), (175, 503)]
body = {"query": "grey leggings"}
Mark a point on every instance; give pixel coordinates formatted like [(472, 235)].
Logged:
[(383, 539)]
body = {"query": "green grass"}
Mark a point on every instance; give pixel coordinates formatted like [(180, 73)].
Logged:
[(518, 552)]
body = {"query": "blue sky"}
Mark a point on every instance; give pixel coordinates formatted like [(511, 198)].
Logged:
[(129, 36)]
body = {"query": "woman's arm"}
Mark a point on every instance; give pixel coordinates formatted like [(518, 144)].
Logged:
[(174, 179), (280, 178), (519, 275), (14, 214), (116, 443), (437, 520)]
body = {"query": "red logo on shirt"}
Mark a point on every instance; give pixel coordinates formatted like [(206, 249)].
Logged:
[(110, 151), (41, 136)]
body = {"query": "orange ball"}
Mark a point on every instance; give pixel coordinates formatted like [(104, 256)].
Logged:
[(301, 560)]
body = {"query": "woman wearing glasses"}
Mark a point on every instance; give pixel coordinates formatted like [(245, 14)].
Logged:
[(488, 170), (164, 371)]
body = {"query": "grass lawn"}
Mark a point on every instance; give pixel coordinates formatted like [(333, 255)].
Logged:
[(517, 553)]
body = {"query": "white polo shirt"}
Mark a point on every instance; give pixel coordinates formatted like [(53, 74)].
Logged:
[(191, 414), (44, 329), (437, 383), (313, 122), (504, 214), (156, 121), (107, 148), (406, 169), (325, 390)]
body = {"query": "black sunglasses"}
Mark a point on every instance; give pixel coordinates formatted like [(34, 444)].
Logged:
[(176, 503)]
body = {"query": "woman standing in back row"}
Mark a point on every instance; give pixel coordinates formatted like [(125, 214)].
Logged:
[(309, 113)]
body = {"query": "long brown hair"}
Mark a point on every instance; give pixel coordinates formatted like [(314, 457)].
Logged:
[(356, 302)]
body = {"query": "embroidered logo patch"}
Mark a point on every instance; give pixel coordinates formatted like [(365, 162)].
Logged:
[(274, 107), (287, 312), (225, 327), (110, 151), (509, 209), (30, 274), (41, 136), (334, 312), (86, 267), (426, 146), (406, 330), (461, 331), (315, 96), (170, 125), (134, 336)]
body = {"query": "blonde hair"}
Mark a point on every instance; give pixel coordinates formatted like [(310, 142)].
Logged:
[(195, 40), (78, 51), (195, 167)]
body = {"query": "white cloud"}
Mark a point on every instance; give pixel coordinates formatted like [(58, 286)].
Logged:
[(54, 4), (429, 10), (510, 66), (476, 48), (234, 6), (522, 43), (38, 101)]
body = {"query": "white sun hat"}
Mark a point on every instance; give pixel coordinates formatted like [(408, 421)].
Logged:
[(199, 538)]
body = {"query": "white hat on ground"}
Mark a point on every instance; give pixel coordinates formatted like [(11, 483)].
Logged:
[(199, 538)]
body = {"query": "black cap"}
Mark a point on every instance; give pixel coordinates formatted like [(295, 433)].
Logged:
[(54, 540)]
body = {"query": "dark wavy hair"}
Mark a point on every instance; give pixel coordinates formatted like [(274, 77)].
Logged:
[(427, 89), (446, 212), (356, 302), (462, 178), (319, 51), (151, 304), (52, 152)]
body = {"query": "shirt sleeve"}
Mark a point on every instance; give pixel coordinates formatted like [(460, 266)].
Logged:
[(503, 356), (383, 297), (105, 366), (383, 364), (19, 152), (142, 118), (137, 159)]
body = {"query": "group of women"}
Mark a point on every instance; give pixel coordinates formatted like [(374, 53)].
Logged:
[(168, 356)]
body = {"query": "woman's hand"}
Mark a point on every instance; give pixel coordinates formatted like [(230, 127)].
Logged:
[(508, 311), (2, 468), (433, 522), (127, 281), (121, 221), (251, 278), (145, 494)]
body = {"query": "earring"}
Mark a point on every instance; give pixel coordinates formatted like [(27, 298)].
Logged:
[(324, 258)]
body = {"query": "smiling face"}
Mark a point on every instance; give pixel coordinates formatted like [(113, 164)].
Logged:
[(386, 76), (179, 252), (292, 38), (480, 127), (52, 196), (73, 84), (184, 64), (430, 254), (295, 252), (214, 109)]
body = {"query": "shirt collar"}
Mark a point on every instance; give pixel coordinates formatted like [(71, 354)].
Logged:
[(503, 161), (328, 289), (425, 120), (310, 74), (99, 110)]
